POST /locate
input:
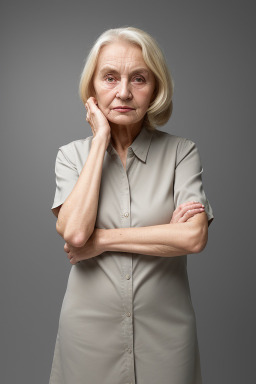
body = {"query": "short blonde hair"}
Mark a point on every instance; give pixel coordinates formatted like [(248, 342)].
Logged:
[(160, 109)]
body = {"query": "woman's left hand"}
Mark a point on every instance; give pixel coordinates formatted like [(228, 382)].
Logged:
[(90, 249), (185, 211)]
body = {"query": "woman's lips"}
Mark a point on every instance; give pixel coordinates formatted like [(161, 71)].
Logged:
[(123, 109)]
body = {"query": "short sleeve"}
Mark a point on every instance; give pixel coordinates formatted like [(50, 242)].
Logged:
[(188, 185), (66, 175)]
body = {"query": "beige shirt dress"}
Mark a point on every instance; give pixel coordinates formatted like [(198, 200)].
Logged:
[(128, 318)]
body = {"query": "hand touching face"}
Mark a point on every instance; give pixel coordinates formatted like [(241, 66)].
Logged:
[(97, 120)]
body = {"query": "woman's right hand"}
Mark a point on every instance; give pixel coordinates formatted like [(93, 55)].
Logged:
[(185, 211), (97, 120)]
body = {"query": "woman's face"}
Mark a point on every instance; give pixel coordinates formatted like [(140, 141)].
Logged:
[(122, 78)]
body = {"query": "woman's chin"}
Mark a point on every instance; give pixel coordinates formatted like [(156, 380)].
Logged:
[(126, 120)]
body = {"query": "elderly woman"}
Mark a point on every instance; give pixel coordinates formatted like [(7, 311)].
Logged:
[(131, 206)]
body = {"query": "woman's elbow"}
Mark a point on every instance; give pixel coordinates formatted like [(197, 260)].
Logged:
[(71, 235), (77, 239), (198, 239), (59, 228)]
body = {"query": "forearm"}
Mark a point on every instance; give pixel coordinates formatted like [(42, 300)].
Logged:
[(77, 216), (161, 240)]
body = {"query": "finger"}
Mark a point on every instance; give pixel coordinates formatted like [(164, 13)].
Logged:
[(181, 211), (66, 247), (87, 112), (73, 261), (182, 208), (191, 207), (92, 102), (190, 213), (183, 205), (88, 106)]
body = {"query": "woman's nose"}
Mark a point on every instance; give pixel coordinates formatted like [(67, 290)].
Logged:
[(123, 90)]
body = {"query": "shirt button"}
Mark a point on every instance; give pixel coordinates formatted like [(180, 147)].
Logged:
[(127, 276), (126, 214), (129, 350), (128, 314)]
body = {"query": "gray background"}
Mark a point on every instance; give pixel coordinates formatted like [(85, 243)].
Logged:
[(210, 50)]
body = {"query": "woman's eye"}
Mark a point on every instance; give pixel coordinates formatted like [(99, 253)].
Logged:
[(139, 78), (109, 77)]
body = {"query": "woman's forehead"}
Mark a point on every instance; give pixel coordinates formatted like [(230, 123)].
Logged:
[(120, 54)]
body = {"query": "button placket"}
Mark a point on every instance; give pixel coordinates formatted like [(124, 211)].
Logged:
[(126, 261)]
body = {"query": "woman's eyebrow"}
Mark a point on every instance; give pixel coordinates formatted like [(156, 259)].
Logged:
[(113, 70)]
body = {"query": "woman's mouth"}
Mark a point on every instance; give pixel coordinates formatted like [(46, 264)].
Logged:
[(123, 109)]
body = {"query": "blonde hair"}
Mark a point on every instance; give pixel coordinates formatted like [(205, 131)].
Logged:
[(160, 109)]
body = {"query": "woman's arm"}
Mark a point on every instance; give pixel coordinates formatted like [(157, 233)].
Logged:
[(186, 233), (159, 240), (77, 215)]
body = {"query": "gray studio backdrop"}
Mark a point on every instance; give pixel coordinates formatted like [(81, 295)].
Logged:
[(210, 51)]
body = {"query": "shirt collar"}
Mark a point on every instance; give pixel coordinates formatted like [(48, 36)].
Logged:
[(139, 146)]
